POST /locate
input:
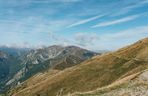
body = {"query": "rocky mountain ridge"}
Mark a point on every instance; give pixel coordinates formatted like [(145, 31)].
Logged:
[(40, 60), (89, 75)]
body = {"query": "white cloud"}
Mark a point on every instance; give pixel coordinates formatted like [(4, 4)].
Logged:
[(130, 33), (85, 21), (123, 38), (33, 30), (110, 41), (118, 21), (86, 40)]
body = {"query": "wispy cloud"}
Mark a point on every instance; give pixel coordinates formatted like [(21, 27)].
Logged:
[(85, 21), (138, 4), (129, 33), (126, 9), (122, 38), (34, 19), (111, 41), (118, 21)]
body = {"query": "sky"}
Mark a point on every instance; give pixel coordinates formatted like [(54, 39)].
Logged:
[(91, 24)]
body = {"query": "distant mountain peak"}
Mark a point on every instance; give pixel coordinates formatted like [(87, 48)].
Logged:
[(91, 74)]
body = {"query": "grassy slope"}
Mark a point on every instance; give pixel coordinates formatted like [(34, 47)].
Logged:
[(91, 74), (133, 85)]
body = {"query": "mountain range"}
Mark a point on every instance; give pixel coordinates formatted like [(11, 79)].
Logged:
[(102, 75), (74, 71), (19, 65)]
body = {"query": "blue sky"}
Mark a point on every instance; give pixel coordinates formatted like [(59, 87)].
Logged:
[(91, 24)]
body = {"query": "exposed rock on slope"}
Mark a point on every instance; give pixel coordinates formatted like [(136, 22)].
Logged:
[(53, 57), (92, 74), (4, 70), (9, 66)]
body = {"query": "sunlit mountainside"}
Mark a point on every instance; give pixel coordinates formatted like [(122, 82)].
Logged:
[(73, 47)]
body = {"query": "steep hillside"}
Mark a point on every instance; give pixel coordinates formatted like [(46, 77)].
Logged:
[(4, 70), (53, 57), (92, 74), (9, 66), (56, 57), (133, 85)]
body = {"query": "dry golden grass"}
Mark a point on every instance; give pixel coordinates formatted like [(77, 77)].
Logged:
[(91, 74)]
